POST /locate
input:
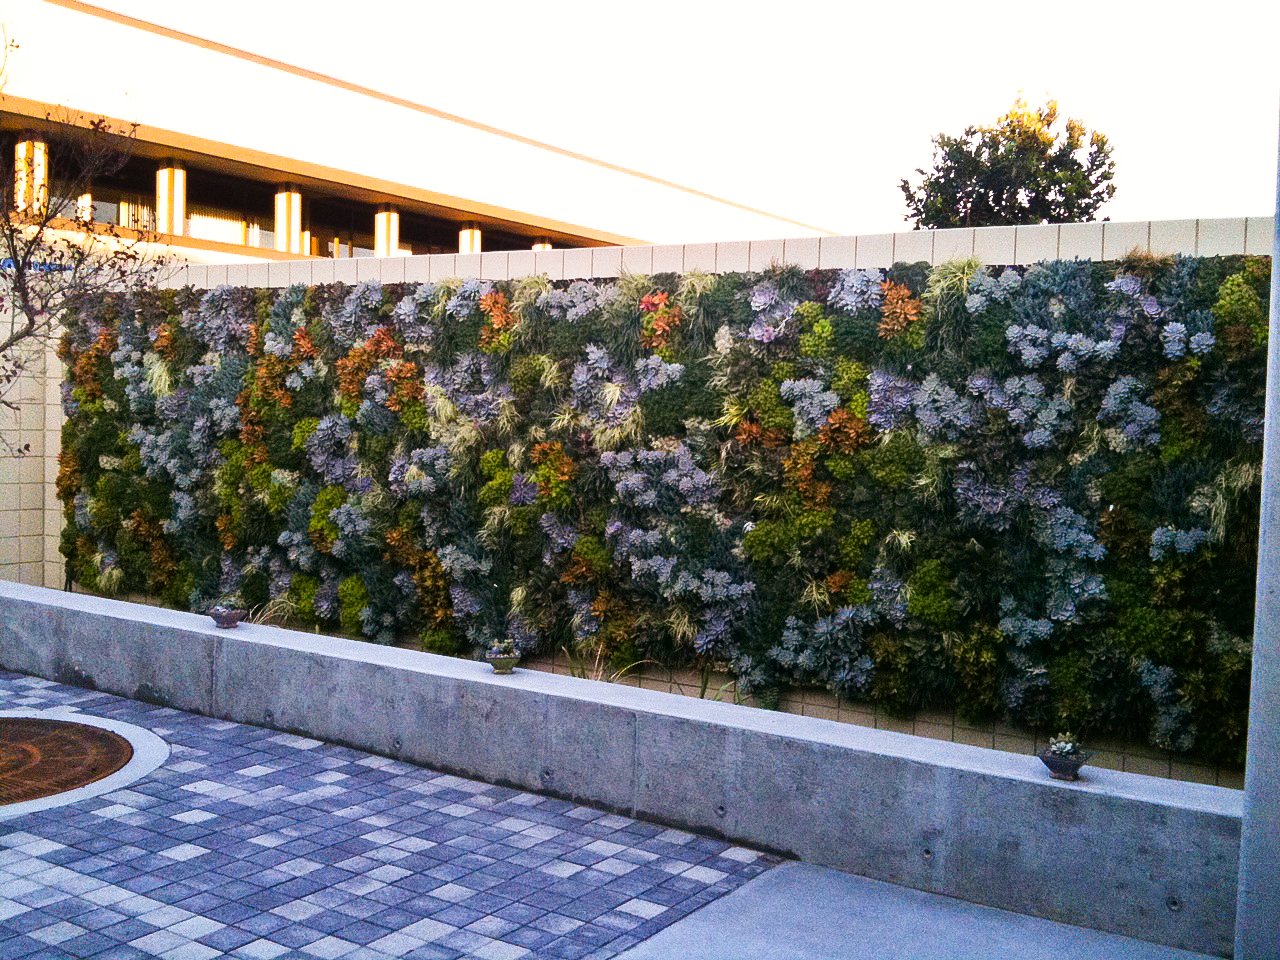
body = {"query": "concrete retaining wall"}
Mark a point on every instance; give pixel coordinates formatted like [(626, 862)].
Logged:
[(1136, 855)]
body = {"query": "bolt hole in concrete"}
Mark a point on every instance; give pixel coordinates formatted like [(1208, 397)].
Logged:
[(51, 758)]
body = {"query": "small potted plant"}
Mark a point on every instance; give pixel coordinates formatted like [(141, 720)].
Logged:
[(503, 655), (227, 612), (1063, 757)]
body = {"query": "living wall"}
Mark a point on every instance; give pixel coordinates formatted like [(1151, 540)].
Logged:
[(1032, 493)]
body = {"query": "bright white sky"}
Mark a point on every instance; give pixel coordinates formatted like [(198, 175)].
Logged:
[(812, 111)]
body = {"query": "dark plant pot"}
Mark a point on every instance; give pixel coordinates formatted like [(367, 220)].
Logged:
[(225, 618), (503, 662), (1064, 768)]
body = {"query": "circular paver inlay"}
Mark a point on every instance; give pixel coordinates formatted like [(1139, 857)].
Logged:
[(41, 757)]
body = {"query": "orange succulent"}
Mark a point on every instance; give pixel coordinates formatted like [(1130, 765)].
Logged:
[(845, 432), (899, 311), (501, 319), (356, 365), (750, 433), (799, 470)]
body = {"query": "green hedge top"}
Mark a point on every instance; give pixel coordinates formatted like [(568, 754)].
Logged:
[(1029, 492)]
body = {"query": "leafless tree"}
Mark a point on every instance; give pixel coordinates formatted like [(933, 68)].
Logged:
[(53, 256)]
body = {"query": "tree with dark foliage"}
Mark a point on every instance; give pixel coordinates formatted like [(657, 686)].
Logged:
[(1019, 171)]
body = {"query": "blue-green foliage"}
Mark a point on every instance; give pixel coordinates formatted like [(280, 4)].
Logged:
[(1054, 525)]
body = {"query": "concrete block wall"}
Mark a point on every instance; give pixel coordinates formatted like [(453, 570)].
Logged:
[(30, 514), (1149, 858), (1101, 240)]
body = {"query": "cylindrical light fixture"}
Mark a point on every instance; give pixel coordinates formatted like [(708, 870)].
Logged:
[(31, 177), (469, 239), (288, 218), (386, 232), (171, 198)]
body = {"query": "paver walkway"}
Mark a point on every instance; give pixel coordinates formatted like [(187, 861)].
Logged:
[(256, 844)]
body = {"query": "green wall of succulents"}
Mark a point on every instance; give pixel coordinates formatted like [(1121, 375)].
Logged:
[(1028, 492)]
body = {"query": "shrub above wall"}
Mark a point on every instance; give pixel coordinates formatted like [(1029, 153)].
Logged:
[(1029, 492)]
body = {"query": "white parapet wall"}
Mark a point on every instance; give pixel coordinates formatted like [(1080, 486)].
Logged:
[(1141, 856), (1100, 240)]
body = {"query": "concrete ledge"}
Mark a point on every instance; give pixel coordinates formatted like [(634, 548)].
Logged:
[(1145, 857)]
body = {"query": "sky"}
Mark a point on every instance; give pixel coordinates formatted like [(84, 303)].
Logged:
[(811, 111)]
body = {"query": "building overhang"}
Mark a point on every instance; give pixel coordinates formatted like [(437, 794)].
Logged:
[(157, 143)]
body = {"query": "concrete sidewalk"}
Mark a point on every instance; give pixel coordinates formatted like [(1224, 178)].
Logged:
[(801, 912)]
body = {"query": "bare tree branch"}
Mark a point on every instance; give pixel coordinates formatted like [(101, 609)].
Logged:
[(53, 256)]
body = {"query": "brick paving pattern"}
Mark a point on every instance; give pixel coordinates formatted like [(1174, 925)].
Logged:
[(256, 844)]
